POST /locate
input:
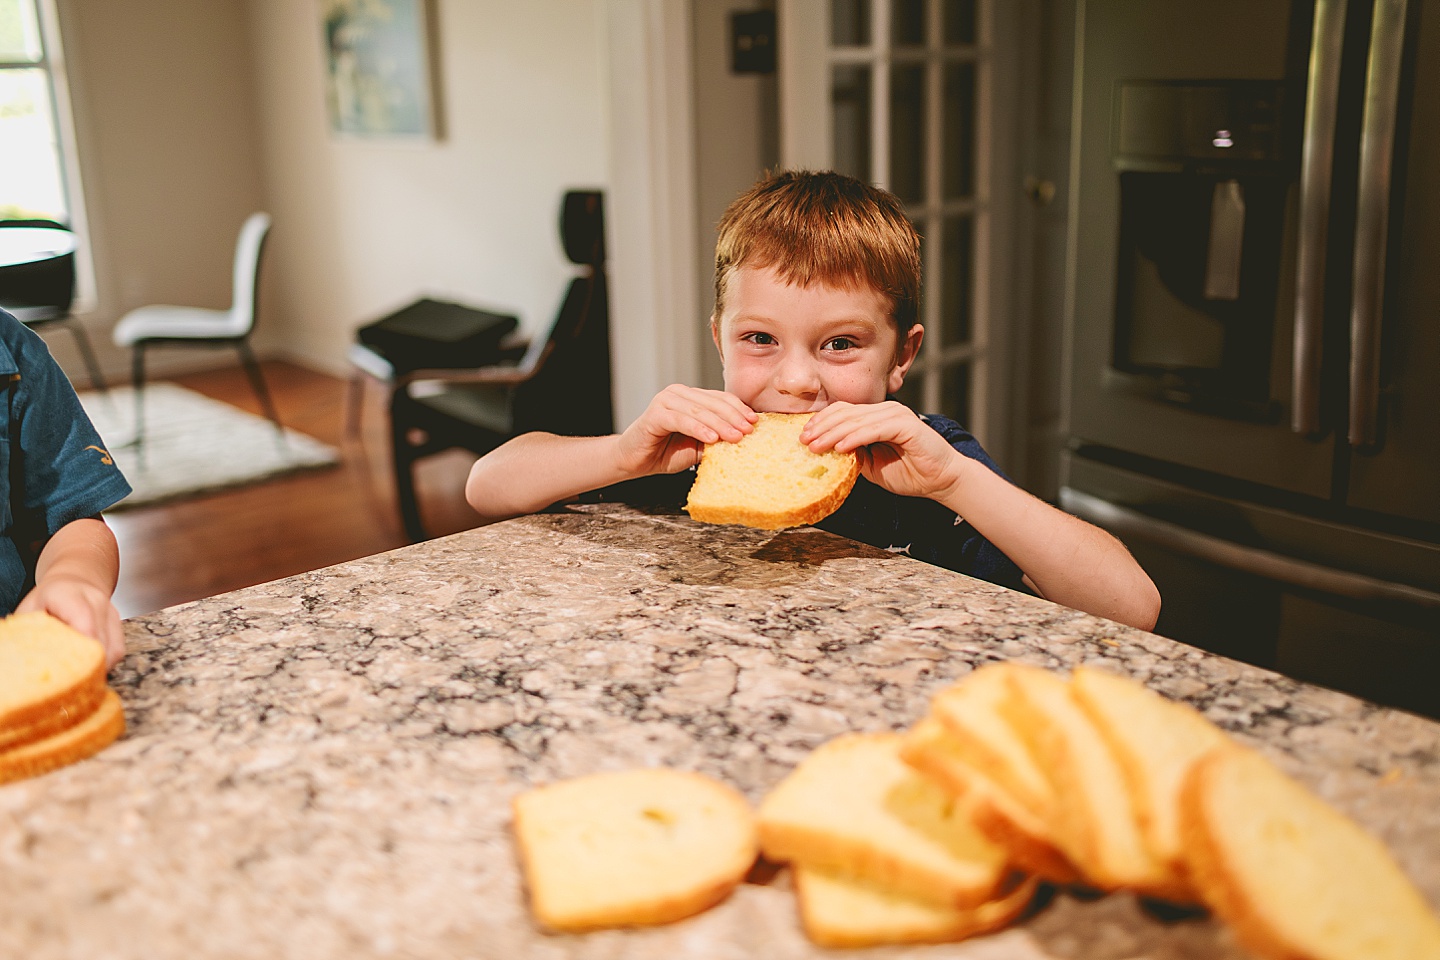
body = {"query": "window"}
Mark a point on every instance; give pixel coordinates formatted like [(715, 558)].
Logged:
[(32, 160)]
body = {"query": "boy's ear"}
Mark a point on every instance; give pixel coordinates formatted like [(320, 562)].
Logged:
[(904, 357), (715, 335)]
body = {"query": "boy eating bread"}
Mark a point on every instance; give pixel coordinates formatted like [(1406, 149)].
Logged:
[(817, 288)]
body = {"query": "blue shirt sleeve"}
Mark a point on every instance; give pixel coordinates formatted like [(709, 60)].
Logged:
[(56, 467)]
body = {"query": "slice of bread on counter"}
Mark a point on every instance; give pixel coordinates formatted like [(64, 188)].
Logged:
[(51, 676), (970, 709), (855, 809), (1030, 841), (769, 479), (85, 739), (1157, 741), (1098, 826), (837, 912), (634, 847), (1293, 876)]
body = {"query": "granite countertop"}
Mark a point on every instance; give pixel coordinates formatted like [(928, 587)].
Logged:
[(321, 766)]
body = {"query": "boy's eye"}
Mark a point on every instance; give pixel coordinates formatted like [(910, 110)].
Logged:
[(762, 339), (840, 343)]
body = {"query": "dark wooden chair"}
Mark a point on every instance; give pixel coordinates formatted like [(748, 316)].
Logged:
[(560, 385)]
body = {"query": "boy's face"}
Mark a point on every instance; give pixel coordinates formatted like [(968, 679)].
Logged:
[(792, 349)]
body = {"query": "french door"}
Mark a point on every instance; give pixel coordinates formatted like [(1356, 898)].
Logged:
[(900, 93)]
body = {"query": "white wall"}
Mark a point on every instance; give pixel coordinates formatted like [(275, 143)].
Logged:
[(363, 227), (168, 149)]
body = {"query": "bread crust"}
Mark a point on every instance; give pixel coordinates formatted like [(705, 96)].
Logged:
[(85, 739), (962, 924), (57, 713), (873, 863)]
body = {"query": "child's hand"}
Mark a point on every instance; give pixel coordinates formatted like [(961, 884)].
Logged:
[(897, 450), (670, 435), (83, 606)]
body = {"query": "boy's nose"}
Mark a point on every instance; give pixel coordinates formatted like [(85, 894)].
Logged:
[(798, 377)]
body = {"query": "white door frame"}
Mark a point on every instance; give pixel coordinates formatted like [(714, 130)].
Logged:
[(650, 211)]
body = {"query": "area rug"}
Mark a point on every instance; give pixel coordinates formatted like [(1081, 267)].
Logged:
[(194, 444)]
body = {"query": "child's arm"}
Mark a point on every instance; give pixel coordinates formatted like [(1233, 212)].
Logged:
[(535, 470), (1063, 558), (75, 577)]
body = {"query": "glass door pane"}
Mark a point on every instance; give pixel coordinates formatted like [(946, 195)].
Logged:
[(959, 17), (850, 116), (907, 25), (957, 148), (956, 285), (907, 132), (849, 23)]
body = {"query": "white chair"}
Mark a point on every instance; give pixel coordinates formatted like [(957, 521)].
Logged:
[(165, 325)]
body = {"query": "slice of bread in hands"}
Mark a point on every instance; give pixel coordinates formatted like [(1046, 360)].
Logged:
[(1098, 826), (85, 739), (769, 479), (1157, 741), (837, 912), (634, 847), (1293, 876), (51, 677), (855, 809), (1030, 841)]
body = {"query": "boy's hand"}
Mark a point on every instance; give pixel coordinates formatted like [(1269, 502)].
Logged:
[(897, 450), (83, 606), (669, 436)]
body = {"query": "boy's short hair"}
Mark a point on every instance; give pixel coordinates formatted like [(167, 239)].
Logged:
[(823, 227)]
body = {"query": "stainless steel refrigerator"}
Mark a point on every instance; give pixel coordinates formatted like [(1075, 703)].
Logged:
[(1253, 326)]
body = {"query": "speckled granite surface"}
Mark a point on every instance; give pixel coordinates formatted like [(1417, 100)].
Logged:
[(320, 767)]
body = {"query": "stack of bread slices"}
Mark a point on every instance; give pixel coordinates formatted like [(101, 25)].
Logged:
[(1016, 776), (55, 707), (1094, 781)]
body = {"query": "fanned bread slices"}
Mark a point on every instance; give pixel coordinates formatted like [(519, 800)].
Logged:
[(634, 847), (855, 809), (1098, 826), (984, 736), (85, 739), (1157, 741), (1295, 878), (847, 913), (1029, 838), (769, 479), (51, 676)]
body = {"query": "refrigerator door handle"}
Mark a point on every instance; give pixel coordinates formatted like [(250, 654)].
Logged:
[(1317, 162), (1125, 522), (1372, 216)]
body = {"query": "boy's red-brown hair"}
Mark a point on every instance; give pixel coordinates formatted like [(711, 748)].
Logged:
[(823, 227)]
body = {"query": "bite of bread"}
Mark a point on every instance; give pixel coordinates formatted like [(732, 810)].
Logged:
[(1019, 776)]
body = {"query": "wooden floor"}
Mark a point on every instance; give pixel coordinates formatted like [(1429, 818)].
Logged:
[(175, 552)]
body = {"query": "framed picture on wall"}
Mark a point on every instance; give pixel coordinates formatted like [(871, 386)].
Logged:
[(378, 68)]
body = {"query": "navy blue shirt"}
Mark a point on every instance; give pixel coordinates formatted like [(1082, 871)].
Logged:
[(913, 526), (53, 465), (923, 528)]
